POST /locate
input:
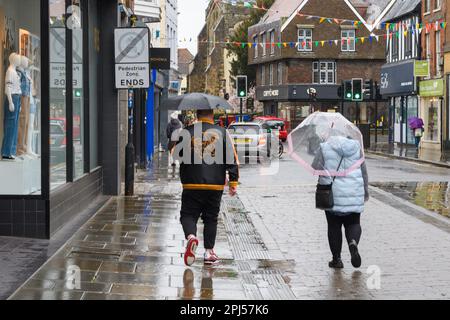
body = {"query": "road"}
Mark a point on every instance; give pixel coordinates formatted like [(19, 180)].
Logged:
[(405, 247)]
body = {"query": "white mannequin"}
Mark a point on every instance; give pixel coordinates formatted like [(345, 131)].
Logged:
[(12, 80), (33, 105)]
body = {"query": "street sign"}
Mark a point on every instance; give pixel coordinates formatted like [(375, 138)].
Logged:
[(132, 58)]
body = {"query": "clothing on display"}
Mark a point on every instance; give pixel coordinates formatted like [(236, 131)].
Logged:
[(24, 115), (11, 120)]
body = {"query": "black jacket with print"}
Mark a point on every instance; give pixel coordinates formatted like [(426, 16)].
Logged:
[(201, 168)]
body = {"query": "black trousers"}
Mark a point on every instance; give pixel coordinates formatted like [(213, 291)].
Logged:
[(352, 227), (204, 204)]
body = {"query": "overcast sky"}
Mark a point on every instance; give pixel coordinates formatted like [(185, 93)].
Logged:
[(190, 22)]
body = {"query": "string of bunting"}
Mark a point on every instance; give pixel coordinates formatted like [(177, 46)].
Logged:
[(381, 26), (371, 38)]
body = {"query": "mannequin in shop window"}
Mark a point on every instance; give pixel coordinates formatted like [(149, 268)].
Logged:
[(24, 114), (13, 93)]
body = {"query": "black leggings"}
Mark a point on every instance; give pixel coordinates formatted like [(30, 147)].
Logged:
[(353, 231)]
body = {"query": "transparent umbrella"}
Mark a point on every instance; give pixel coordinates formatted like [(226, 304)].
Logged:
[(325, 135)]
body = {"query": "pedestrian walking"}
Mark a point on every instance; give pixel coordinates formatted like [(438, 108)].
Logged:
[(349, 193), (172, 127), (417, 126), (338, 160), (203, 181)]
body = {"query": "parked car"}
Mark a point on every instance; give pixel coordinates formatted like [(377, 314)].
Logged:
[(252, 139), (76, 125), (57, 143), (276, 124)]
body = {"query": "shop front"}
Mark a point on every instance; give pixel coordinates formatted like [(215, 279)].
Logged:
[(293, 103), (56, 74), (399, 85), (432, 102)]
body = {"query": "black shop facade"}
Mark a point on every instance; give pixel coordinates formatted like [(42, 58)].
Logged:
[(293, 103), (59, 145)]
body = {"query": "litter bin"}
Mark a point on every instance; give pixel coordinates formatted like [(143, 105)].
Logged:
[(365, 130)]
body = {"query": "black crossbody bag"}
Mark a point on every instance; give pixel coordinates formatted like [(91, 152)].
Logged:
[(324, 194)]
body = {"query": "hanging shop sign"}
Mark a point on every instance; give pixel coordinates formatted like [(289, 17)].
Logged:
[(132, 58), (422, 68), (431, 88), (398, 79), (160, 58)]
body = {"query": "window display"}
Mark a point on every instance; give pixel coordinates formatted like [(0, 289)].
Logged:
[(20, 75)]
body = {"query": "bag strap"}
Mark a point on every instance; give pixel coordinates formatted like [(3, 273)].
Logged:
[(339, 167)]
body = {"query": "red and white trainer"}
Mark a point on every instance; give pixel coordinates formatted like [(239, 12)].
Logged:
[(211, 258), (191, 248)]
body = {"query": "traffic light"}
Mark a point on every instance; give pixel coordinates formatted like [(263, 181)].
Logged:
[(357, 92), (369, 90), (241, 86), (348, 90)]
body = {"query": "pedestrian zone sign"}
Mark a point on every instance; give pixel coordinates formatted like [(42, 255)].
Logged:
[(132, 58)]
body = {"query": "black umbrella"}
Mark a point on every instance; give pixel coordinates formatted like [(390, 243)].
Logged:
[(195, 101)]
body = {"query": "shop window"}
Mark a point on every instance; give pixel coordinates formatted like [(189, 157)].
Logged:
[(78, 93), (94, 65), (20, 94), (58, 123), (432, 120)]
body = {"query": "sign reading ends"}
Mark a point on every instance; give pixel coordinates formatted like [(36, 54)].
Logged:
[(132, 58)]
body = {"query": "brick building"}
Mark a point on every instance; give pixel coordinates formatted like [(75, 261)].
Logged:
[(211, 72), (446, 108), (196, 79), (432, 89), (294, 52)]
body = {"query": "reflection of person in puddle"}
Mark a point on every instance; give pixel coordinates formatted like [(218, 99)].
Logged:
[(206, 290)]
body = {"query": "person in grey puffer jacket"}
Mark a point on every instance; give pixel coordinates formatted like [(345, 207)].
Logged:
[(349, 192)]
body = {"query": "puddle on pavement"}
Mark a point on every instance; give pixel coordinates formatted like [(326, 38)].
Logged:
[(434, 196)]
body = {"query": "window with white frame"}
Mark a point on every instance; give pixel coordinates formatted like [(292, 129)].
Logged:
[(348, 40), (280, 73), (438, 53), (427, 6), (255, 45), (263, 75), (271, 74), (324, 72), (305, 39), (264, 44), (272, 41), (437, 4)]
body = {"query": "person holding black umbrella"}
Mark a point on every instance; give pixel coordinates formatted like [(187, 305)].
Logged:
[(206, 155)]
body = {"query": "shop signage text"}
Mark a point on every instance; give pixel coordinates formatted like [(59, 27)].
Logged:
[(398, 79), (271, 93), (422, 68), (431, 88), (160, 58)]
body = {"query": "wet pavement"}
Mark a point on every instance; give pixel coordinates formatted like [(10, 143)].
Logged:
[(271, 239), (411, 152), (133, 249)]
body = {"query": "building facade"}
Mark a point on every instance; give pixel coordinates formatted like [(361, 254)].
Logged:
[(446, 108), (185, 59), (431, 88), (60, 57), (399, 82), (212, 65), (294, 53)]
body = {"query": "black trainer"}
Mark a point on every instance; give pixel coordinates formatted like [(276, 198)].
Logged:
[(356, 258), (336, 263)]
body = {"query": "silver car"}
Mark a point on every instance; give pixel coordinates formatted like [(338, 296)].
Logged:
[(252, 140)]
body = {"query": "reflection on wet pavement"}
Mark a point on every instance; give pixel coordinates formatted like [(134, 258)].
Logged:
[(133, 249), (434, 196)]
